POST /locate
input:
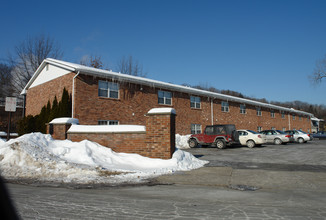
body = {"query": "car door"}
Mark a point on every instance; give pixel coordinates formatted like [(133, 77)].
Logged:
[(243, 137), (269, 136)]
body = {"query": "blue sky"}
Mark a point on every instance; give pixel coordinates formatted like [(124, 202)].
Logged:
[(263, 49)]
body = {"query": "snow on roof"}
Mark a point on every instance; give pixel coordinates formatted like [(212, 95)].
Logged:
[(153, 83), (162, 111), (106, 128), (64, 121)]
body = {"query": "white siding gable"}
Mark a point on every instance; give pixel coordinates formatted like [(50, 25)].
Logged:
[(48, 73)]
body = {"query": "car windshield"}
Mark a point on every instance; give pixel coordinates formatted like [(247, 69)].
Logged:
[(254, 132), (281, 132)]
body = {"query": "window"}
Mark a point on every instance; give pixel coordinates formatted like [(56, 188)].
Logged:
[(283, 114), (164, 98), (242, 108), (225, 106), (272, 114), (300, 118), (283, 129), (108, 122), (194, 102), (258, 109), (293, 117), (195, 129), (273, 128), (259, 129), (108, 89)]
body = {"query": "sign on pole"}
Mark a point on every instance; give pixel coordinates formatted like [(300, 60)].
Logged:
[(10, 104)]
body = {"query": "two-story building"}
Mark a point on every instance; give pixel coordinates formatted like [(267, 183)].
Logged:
[(105, 97)]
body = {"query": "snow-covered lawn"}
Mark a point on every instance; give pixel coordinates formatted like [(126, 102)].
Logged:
[(39, 157)]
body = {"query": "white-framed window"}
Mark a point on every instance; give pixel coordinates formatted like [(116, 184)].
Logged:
[(273, 128), (283, 129), (243, 109), (272, 114), (293, 116), (225, 106), (258, 109), (282, 114), (259, 128), (108, 122), (108, 89), (194, 102), (164, 98), (300, 118), (195, 128)]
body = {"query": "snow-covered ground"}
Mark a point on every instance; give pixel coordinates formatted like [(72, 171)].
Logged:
[(38, 157)]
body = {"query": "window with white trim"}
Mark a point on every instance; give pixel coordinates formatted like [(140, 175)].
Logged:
[(164, 98), (243, 109), (259, 128), (283, 114), (293, 116), (194, 102), (108, 122), (195, 128), (225, 106), (108, 89), (258, 109), (272, 114)]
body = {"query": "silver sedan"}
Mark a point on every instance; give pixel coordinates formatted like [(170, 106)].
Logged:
[(277, 137)]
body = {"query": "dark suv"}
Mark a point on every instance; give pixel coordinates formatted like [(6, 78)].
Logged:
[(216, 135)]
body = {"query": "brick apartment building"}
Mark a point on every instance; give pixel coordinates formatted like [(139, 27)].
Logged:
[(106, 97)]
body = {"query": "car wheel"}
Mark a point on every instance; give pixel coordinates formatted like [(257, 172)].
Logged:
[(277, 141), (220, 144), (300, 140), (251, 144), (193, 143)]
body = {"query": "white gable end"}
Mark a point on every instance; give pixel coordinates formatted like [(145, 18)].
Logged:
[(48, 73)]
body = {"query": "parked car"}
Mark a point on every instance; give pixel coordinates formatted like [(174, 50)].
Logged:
[(277, 137), (216, 135), (251, 138), (319, 134), (299, 136)]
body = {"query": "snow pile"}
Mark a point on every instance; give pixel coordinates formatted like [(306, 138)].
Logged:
[(181, 141), (38, 156)]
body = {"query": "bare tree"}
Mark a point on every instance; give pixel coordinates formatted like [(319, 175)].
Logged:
[(28, 56), (130, 66), (5, 80), (93, 61), (319, 71)]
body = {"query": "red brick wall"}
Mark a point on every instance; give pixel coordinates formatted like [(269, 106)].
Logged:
[(135, 101), (157, 142), (38, 96)]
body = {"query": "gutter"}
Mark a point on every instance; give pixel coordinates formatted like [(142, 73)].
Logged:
[(73, 95)]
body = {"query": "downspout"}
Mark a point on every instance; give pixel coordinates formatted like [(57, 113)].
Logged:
[(73, 95), (212, 113)]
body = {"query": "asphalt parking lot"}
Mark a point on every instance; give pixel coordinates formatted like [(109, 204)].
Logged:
[(268, 166), (291, 157), (269, 182)]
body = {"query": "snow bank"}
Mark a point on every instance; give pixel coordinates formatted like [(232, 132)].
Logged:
[(181, 141), (38, 156)]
